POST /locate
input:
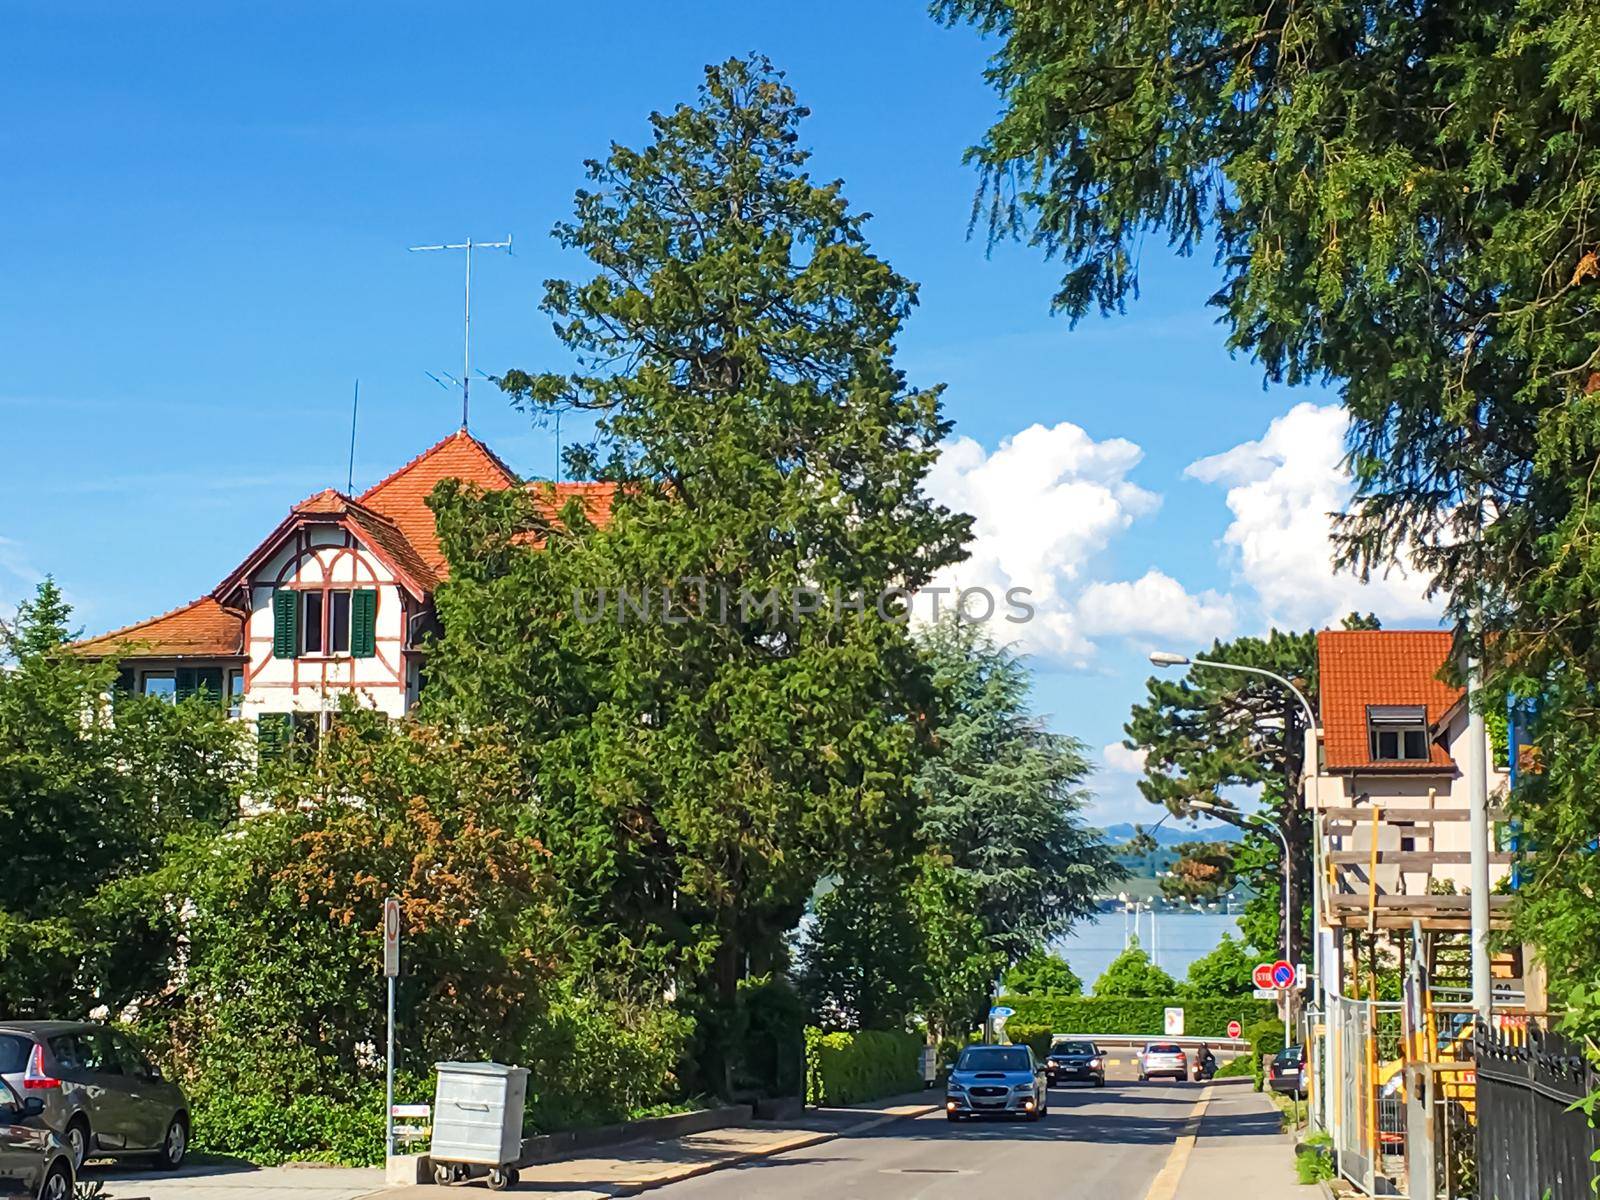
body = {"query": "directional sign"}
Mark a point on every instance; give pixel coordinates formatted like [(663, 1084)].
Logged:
[(391, 937), (1000, 1010), (1300, 975), (1262, 975), (1270, 993), (411, 1112), (1234, 1029), (1282, 973)]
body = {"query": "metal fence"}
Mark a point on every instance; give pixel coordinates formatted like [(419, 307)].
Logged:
[(1531, 1144), (1369, 1121)]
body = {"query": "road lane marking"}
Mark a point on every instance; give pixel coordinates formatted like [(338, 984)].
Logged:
[(1165, 1185)]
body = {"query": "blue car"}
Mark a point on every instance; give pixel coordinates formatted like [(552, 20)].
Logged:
[(996, 1081)]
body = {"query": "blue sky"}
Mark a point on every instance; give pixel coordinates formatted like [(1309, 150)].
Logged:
[(206, 214)]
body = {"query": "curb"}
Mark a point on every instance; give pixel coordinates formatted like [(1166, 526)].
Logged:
[(800, 1141)]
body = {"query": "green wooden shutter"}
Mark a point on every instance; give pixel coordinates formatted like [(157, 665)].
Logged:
[(209, 680), (272, 734), (185, 681), (364, 623), (285, 623)]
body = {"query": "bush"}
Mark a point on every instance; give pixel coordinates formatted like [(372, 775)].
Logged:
[(847, 1068), (1265, 1038), (1136, 1016), (1237, 1068)]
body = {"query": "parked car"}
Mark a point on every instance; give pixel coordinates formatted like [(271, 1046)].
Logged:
[(1163, 1058), (1286, 1073), (1070, 1059), (996, 1081), (100, 1092), (34, 1161)]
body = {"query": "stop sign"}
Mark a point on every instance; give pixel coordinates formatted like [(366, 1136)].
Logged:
[(1263, 975), (1234, 1029)]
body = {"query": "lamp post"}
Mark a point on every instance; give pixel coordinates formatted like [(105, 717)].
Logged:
[(1241, 819), (1165, 658)]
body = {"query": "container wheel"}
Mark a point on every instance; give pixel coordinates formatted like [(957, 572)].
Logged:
[(500, 1178)]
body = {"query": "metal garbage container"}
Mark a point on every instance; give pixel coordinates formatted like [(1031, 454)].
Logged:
[(477, 1121)]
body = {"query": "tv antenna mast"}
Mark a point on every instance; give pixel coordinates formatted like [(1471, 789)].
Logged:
[(466, 313)]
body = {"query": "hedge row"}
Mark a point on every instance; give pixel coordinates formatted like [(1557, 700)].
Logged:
[(1135, 1016), (848, 1068)]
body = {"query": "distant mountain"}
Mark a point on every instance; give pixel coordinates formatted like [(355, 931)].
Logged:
[(1173, 835)]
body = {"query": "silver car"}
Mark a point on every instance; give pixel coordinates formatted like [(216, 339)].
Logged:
[(996, 1081), (100, 1093), (33, 1160), (1163, 1058)]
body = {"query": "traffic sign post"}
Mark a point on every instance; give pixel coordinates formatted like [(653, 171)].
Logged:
[(1283, 977), (1262, 975), (1173, 1022), (1234, 1029), (391, 969)]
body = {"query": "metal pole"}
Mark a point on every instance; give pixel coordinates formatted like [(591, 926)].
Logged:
[(466, 339), (1478, 798), (388, 1082)]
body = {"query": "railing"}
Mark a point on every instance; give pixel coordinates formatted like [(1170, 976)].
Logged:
[(1531, 1144)]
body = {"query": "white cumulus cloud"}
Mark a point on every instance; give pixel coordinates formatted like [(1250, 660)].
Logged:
[(1281, 490), (1044, 503), (1118, 757), (1155, 605)]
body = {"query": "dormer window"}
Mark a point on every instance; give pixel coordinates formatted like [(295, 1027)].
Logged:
[(1397, 733)]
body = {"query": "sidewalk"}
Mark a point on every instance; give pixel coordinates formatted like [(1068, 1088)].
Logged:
[(1238, 1150), (639, 1166)]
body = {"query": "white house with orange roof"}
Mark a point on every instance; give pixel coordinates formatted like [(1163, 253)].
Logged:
[(1389, 790), (334, 602)]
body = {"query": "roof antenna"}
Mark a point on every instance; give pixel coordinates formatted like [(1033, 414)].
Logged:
[(350, 478), (466, 313)]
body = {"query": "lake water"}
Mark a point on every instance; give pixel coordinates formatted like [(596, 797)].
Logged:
[(1178, 939)]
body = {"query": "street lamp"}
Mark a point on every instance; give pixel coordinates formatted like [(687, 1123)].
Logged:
[(1166, 658), (1240, 819)]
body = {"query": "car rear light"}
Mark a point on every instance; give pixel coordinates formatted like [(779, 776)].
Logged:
[(34, 1077)]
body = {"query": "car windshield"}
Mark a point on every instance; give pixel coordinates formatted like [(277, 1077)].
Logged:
[(1163, 1048), (14, 1050), (1290, 1056), (1073, 1048), (993, 1058)]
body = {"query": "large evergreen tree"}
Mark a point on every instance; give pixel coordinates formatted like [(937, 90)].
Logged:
[(1008, 860), (700, 769)]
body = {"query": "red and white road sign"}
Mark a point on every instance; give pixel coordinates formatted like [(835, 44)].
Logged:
[(391, 937), (1283, 973), (1234, 1029), (1262, 975)]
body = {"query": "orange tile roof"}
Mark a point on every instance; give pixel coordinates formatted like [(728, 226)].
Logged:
[(403, 496), (392, 516), (596, 499), (202, 628), (1362, 667)]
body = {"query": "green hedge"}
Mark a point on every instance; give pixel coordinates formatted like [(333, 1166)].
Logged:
[(848, 1068), (1135, 1016)]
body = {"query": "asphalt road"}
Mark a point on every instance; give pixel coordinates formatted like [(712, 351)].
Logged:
[(1106, 1143)]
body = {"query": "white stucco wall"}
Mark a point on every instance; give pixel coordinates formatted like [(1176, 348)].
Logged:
[(324, 555)]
